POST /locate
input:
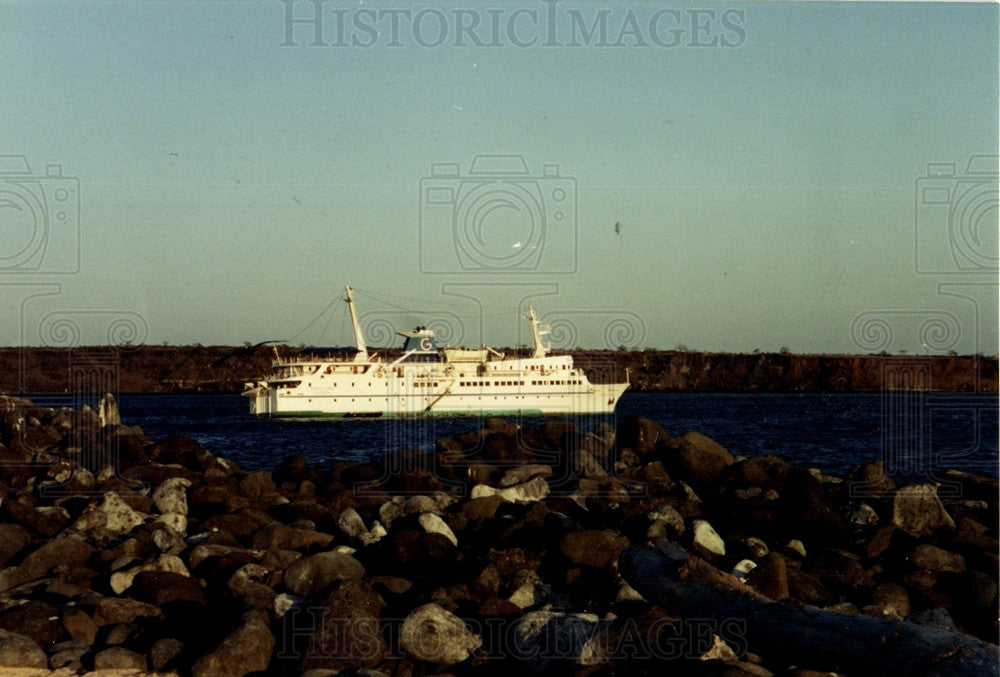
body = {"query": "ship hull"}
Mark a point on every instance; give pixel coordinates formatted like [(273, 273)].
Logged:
[(430, 381), (271, 402)]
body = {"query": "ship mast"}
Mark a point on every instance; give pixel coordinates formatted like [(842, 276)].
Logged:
[(541, 349), (359, 338)]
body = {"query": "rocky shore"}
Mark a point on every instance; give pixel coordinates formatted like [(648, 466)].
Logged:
[(514, 549)]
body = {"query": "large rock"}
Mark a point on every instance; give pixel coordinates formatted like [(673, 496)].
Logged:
[(770, 577), (433, 524), (112, 517), (13, 538), (282, 537), (551, 642), (869, 481), (67, 550), (250, 586), (527, 492), (162, 588), (122, 580), (917, 510), (119, 610), (698, 459), (767, 472), (245, 650), (592, 547), (18, 651), (171, 496), (705, 540), (346, 631), (641, 435), (808, 508), (933, 558), (312, 575), (434, 635), (119, 658), (35, 619)]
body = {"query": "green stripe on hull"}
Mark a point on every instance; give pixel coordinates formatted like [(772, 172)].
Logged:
[(425, 414)]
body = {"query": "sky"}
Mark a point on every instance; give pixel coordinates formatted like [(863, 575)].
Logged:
[(718, 176)]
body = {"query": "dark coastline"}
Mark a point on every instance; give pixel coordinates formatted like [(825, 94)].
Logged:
[(224, 369)]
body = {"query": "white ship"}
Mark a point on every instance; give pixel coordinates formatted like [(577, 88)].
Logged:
[(428, 380)]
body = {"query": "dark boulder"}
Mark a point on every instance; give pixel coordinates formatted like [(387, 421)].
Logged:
[(592, 548), (696, 459), (244, 651), (809, 511), (346, 630), (312, 575), (641, 435), (20, 651), (163, 588)]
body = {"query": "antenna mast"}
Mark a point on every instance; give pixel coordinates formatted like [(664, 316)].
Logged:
[(359, 338)]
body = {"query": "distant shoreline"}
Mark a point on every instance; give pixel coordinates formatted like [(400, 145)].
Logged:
[(224, 369)]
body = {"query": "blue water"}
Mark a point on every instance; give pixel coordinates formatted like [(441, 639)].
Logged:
[(914, 435)]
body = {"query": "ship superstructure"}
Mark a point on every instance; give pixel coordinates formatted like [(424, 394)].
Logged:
[(429, 380)]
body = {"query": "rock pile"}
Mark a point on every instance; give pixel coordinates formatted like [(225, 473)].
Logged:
[(499, 551)]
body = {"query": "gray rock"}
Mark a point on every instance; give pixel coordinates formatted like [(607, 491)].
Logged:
[(669, 515), (316, 573), (171, 496), (122, 580), (548, 640), (351, 524), (917, 510), (112, 517), (523, 473), (434, 635), (706, 540), (433, 524), (527, 492), (249, 585)]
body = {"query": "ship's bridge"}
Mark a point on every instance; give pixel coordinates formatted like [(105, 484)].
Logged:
[(420, 345)]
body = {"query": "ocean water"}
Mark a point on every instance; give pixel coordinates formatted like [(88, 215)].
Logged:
[(915, 435)]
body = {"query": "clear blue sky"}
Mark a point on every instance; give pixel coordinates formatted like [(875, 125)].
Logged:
[(767, 165)]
